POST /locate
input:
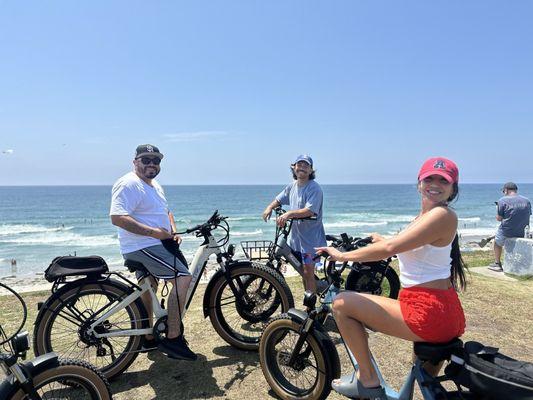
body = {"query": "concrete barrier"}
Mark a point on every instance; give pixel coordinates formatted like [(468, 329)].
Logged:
[(518, 256)]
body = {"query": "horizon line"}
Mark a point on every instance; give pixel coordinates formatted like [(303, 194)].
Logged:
[(247, 184)]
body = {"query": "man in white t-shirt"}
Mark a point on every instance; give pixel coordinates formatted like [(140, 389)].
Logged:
[(140, 211)]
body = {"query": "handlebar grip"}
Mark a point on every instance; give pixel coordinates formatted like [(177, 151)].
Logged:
[(332, 238), (318, 256), (365, 241)]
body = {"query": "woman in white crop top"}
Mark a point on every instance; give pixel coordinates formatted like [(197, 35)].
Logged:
[(431, 268)]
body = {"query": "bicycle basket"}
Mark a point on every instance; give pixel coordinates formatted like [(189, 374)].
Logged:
[(257, 249)]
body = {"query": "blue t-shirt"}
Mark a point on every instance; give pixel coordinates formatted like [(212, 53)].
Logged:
[(515, 211), (305, 234)]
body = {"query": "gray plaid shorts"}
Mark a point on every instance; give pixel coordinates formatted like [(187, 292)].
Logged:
[(159, 262)]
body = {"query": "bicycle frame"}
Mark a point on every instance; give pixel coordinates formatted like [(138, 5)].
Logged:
[(417, 373), (198, 264)]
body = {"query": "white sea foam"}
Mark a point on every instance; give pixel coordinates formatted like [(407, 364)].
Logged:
[(374, 217), (399, 218), (63, 239), (477, 232), (248, 218), (16, 229), (190, 238), (352, 224), (254, 233), (470, 219)]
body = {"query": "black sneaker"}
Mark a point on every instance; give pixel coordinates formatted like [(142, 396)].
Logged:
[(148, 345), (496, 267), (177, 348)]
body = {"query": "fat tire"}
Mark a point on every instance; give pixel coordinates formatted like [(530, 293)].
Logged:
[(71, 372), (354, 278), (216, 314), (42, 343), (327, 365)]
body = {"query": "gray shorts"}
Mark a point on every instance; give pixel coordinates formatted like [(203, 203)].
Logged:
[(500, 238), (158, 261)]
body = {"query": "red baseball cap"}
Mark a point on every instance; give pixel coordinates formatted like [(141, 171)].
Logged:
[(439, 166)]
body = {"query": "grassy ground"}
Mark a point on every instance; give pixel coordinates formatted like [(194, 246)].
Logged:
[(498, 312)]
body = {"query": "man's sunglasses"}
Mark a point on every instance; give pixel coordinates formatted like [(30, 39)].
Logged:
[(148, 160)]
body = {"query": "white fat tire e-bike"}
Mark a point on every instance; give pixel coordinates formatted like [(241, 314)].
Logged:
[(103, 320)]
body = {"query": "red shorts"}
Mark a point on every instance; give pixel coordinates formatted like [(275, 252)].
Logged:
[(434, 315)]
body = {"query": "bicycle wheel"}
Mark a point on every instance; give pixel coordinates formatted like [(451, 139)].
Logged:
[(311, 375), (375, 279), (262, 292), (63, 328), (71, 379), (236, 326)]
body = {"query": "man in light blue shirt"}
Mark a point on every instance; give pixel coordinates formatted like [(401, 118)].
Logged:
[(304, 198)]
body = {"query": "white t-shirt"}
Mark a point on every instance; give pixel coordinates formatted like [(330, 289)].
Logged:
[(144, 203)]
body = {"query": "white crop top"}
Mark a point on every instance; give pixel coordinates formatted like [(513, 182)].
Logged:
[(424, 264)]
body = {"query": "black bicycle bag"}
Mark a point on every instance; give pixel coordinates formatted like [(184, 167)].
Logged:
[(490, 374), (75, 266)]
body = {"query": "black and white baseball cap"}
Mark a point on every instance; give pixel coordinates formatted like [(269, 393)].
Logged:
[(144, 150)]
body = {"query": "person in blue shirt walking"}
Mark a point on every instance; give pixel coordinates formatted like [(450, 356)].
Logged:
[(304, 199)]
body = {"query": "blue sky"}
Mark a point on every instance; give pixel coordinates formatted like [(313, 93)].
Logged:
[(232, 91)]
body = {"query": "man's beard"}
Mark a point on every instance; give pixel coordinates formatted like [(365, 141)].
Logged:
[(150, 173)]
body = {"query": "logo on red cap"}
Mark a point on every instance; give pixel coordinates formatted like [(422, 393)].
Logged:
[(439, 164)]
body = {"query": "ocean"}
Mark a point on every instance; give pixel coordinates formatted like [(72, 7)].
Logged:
[(38, 223)]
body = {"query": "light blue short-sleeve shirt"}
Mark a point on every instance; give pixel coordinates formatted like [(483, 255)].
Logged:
[(305, 234)]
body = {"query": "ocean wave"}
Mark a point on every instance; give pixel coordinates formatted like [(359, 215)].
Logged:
[(63, 239), (190, 238), (246, 218), (352, 224), (254, 233), (375, 217), (398, 218), (470, 219), (17, 229), (478, 232)]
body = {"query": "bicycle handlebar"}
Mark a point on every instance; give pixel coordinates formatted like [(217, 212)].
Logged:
[(280, 211), (212, 222), (345, 242)]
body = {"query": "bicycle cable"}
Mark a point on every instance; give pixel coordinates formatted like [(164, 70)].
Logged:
[(3, 336)]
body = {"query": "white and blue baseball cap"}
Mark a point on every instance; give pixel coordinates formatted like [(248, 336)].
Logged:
[(304, 157)]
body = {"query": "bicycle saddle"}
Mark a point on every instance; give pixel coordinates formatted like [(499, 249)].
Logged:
[(436, 352)]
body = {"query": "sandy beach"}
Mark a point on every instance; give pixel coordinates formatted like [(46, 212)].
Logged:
[(37, 282)]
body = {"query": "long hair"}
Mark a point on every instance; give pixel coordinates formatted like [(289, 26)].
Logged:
[(311, 177), (458, 268)]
